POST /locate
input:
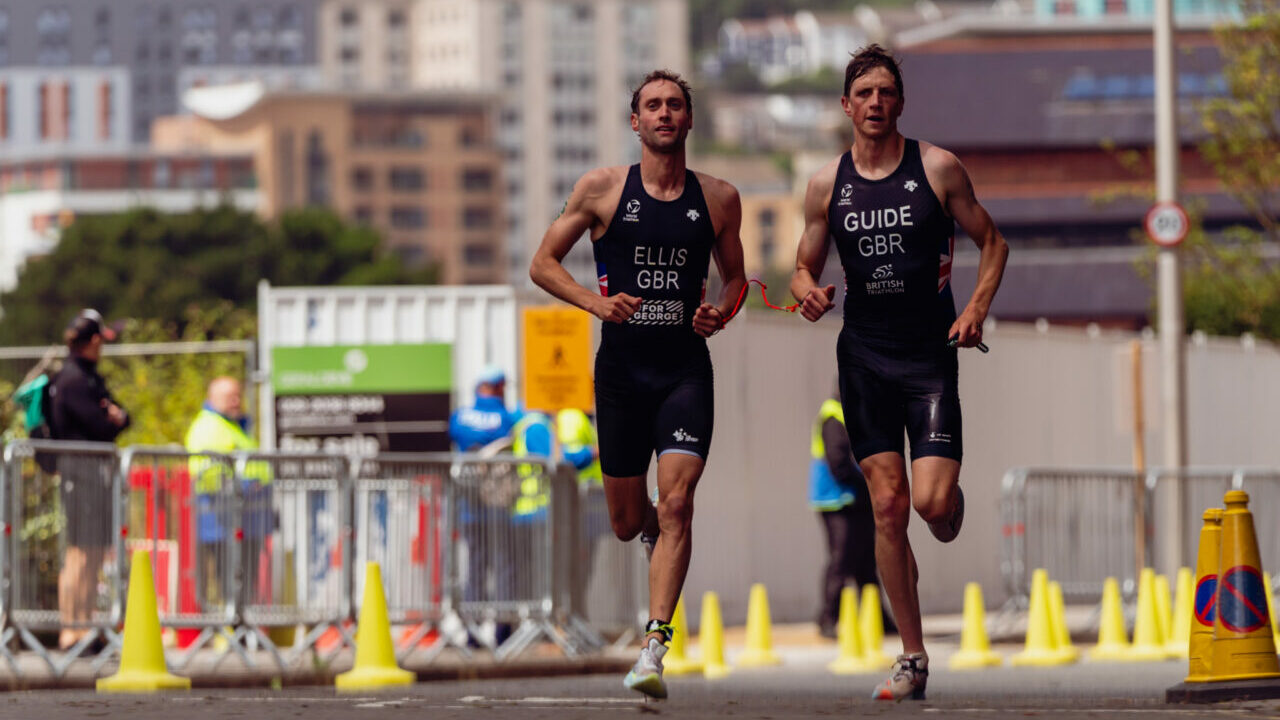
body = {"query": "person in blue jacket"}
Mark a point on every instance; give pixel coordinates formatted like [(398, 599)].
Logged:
[(488, 419)]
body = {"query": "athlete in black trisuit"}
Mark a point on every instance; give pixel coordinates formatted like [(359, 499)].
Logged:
[(654, 228), (891, 204)]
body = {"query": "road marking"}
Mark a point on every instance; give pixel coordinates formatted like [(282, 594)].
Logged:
[(547, 701)]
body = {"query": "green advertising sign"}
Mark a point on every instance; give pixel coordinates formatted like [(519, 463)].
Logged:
[(342, 369)]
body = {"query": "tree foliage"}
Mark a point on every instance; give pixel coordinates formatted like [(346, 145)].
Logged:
[(146, 264), (1232, 286)]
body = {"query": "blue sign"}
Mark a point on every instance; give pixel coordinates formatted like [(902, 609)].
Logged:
[(1242, 600), (1207, 600)]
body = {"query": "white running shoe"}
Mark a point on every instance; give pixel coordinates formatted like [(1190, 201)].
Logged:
[(948, 529), (649, 542), (646, 676), (910, 675)]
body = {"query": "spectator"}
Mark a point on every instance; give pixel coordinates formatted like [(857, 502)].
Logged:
[(488, 420), (82, 409)]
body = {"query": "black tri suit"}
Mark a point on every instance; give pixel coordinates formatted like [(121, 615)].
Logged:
[(653, 373), (896, 243)]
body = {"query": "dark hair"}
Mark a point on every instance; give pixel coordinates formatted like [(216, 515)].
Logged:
[(868, 58), (655, 76)]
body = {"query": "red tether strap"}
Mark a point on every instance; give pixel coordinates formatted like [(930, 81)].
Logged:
[(742, 295)]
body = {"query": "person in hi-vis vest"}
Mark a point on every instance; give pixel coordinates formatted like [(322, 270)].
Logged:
[(838, 493), (222, 427)]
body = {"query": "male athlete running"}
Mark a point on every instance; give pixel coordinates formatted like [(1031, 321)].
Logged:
[(891, 204), (654, 228)]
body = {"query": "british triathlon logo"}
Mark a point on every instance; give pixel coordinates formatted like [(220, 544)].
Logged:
[(883, 272), (633, 211), (693, 215), (911, 186), (684, 437), (846, 195)]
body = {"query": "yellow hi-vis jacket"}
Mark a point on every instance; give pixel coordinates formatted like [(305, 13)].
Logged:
[(211, 432), (578, 440), (533, 485)]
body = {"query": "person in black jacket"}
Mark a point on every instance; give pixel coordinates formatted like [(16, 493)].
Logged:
[(80, 408)]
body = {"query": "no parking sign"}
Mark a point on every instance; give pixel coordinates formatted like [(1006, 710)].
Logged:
[(1242, 599)]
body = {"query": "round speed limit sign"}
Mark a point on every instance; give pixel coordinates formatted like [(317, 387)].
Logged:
[(1167, 224)]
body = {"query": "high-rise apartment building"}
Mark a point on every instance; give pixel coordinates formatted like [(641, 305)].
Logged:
[(92, 73), (563, 71)]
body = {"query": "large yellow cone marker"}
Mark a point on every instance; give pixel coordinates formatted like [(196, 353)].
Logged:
[(1244, 647), (871, 626), (1113, 642), (1164, 608), (849, 661), (142, 668), (375, 665), (975, 647), (1204, 604), (1041, 644), (1271, 604), (711, 638), (677, 660), (1058, 616), (1179, 642), (759, 651)]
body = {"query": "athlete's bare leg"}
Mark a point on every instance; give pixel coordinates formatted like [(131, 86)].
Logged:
[(932, 493), (678, 475), (630, 511)]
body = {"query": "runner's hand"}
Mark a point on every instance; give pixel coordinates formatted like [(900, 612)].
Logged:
[(707, 320), (817, 302), (967, 329), (617, 308)]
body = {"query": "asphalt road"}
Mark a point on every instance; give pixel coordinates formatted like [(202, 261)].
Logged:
[(799, 689)]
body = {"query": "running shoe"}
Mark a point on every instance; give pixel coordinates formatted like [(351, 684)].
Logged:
[(648, 541), (910, 674), (646, 676), (948, 529)]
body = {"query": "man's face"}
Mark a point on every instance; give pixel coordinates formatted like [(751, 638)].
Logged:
[(873, 104), (227, 400), (664, 119)]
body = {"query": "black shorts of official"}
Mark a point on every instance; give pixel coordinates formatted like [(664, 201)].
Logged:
[(887, 390), (644, 405)]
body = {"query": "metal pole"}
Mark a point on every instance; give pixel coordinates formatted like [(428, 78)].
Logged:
[(1173, 375)]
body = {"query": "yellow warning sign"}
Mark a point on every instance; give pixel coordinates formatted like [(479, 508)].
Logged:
[(557, 359)]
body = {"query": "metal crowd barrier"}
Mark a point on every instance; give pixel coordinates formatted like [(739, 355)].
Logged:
[(1080, 524), (63, 557), (267, 551)]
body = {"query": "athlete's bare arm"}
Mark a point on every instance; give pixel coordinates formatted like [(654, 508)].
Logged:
[(726, 217), (590, 207), (814, 241), (954, 188)]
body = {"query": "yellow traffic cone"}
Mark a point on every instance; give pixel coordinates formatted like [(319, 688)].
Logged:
[(871, 627), (711, 638), (849, 661), (1058, 617), (1271, 606), (677, 661), (375, 665), (1164, 608), (975, 647), (1041, 644), (142, 667), (1179, 642), (1243, 644), (759, 651), (1113, 643), (1148, 640), (1205, 598)]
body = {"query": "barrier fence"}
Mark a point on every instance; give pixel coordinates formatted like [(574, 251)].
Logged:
[(1085, 525), (262, 554)]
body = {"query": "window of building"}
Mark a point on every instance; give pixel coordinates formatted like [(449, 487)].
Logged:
[(161, 174), (473, 254), (474, 179), (477, 218), (363, 215), (241, 18), (470, 136), (348, 17), (410, 254), (349, 54), (164, 18), (362, 178), (4, 111), (395, 18), (317, 171), (407, 178), (408, 217), (289, 17)]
